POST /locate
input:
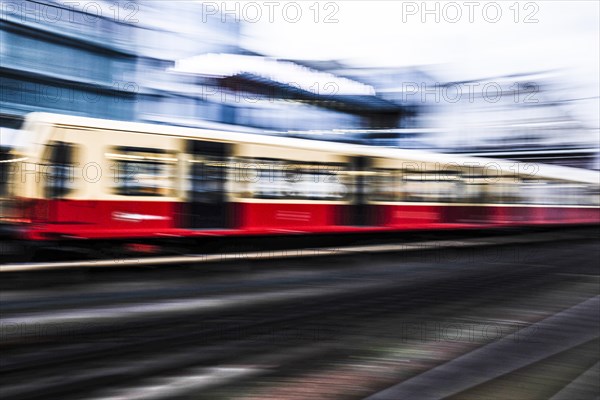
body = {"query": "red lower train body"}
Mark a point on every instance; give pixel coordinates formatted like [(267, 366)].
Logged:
[(77, 219)]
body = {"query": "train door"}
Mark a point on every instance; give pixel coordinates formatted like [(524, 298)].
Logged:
[(359, 211), (206, 206), (59, 162)]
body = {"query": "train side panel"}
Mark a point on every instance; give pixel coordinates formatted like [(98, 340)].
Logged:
[(105, 179)]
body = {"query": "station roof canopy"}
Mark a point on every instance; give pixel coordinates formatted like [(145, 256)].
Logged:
[(284, 72), (346, 102), (287, 80)]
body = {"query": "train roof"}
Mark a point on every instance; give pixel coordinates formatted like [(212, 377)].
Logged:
[(509, 167)]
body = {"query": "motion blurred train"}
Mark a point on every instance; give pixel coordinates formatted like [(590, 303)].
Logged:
[(97, 181)]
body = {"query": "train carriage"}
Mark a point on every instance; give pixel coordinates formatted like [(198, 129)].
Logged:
[(82, 178)]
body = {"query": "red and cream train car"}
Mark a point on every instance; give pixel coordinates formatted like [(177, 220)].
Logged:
[(82, 178)]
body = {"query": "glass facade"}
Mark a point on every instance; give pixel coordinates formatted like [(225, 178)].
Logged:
[(105, 59)]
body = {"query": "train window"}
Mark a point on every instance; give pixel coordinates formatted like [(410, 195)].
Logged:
[(142, 171), (541, 192), (386, 186), (593, 196), (430, 187), (59, 172), (574, 194), (5, 167), (278, 179), (474, 189), (504, 191), (556, 193)]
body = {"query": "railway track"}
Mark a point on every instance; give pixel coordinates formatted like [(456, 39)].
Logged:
[(314, 248), (164, 342)]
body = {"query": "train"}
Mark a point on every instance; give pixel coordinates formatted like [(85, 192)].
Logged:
[(139, 186)]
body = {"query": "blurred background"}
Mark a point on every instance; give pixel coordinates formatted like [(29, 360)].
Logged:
[(517, 81)]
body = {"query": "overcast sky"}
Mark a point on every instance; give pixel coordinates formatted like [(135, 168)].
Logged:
[(375, 33), (380, 33)]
